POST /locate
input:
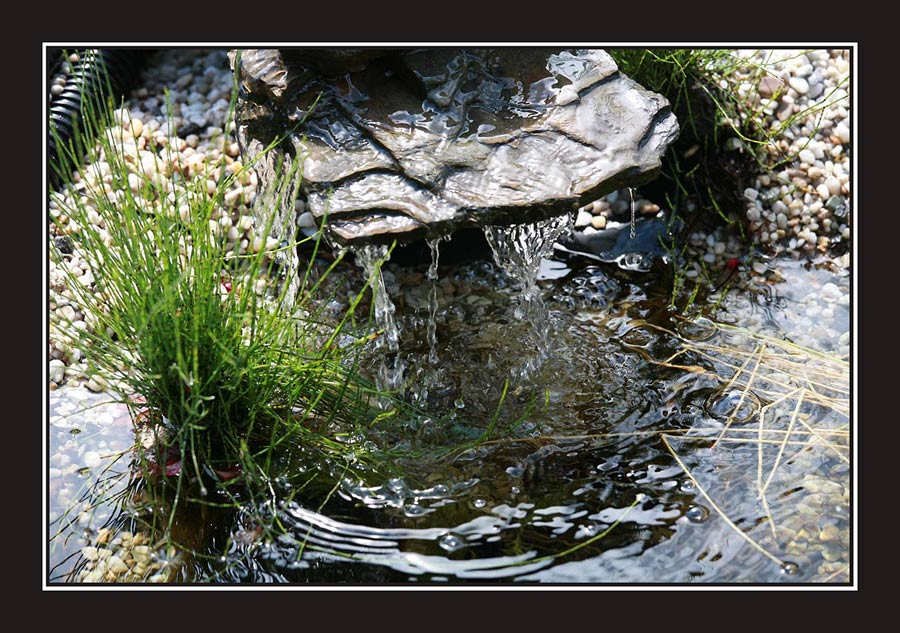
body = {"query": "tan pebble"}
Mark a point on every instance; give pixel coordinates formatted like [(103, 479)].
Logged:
[(94, 575), (141, 553), (90, 553), (598, 222), (829, 533), (116, 565), (648, 208)]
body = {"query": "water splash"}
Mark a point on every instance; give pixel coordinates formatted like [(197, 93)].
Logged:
[(518, 251), (389, 375)]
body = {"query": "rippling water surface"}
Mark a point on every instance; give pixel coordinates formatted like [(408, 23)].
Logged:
[(643, 449)]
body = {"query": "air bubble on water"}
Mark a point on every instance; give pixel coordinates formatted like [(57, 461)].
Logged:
[(479, 502), (790, 569), (696, 514), (688, 486), (740, 406)]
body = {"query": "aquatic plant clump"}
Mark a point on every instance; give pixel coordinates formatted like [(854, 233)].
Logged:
[(192, 329)]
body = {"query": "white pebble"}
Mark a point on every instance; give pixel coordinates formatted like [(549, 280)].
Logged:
[(307, 221), (57, 370), (91, 459), (781, 220), (799, 84), (842, 132), (807, 156), (583, 218), (830, 292)]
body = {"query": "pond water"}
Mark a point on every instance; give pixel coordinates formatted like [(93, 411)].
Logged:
[(619, 443)]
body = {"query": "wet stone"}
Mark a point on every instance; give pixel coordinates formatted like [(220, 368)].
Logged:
[(405, 144)]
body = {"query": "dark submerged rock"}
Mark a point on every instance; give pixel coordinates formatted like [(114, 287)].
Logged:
[(404, 144)]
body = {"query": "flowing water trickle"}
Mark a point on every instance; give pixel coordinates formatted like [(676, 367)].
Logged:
[(390, 371), (518, 251), (631, 232), (434, 246)]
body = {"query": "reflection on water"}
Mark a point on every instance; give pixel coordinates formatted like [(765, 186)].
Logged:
[(645, 449)]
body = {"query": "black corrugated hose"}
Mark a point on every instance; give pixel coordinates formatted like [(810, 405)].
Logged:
[(90, 74)]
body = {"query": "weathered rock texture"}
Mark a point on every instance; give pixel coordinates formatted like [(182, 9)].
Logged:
[(404, 144)]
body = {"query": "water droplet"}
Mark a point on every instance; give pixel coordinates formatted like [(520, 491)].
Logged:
[(396, 484), (696, 514), (587, 531), (790, 569), (413, 510), (450, 542), (688, 486), (459, 403), (479, 502)]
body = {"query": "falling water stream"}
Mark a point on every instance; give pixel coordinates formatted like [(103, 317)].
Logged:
[(432, 275), (389, 375), (518, 250)]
